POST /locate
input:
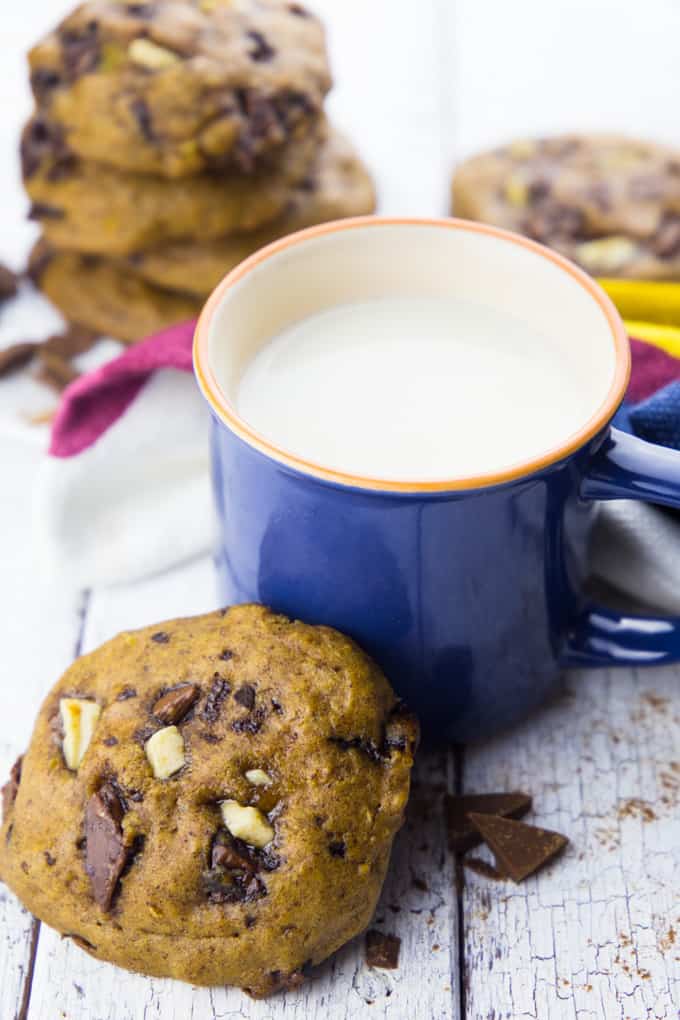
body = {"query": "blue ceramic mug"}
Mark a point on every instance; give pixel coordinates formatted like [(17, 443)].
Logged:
[(468, 591)]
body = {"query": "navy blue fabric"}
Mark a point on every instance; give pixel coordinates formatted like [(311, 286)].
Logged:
[(657, 419)]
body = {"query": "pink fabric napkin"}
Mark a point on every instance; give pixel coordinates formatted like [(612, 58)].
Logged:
[(91, 404)]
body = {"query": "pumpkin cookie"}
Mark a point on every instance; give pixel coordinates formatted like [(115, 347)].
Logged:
[(610, 203), (224, 792), (174, 87)]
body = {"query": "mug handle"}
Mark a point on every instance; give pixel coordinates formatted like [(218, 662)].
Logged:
[(626, 467)]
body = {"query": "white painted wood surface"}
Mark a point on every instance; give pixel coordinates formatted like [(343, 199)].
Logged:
[(597, 936)]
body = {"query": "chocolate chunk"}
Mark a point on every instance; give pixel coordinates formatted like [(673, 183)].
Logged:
[(43, 211), (55, 371), (213, 703), (210, 738), (227, 852), (105, 853), (225, 655), (554, 220), (49, 859), (382, 950), (287, 982), (221, 886), (110, 741), (126, 693), (519, 849), (666, 244), (401, 731), (462, 833), (80, 51), (338, 848), (73, 341), (245, 696), (9, 283), (44, 81), (277, 706), (39, 140), (262, 51), (11, 787), (160, 637), (15, 357), (175, 704), (140, 111)]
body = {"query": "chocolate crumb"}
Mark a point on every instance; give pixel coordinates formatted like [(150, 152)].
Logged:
[(216, 695), (245, 696), (250, 921), (338, 848), (251, 723), (382, 950), (17, 356), (110, 741), (160, 637), (43, 211), (298, 10), (175, 703), (50, 860), (126, 693), (225, 655), (43, 81), (140, 111), (210, 738)]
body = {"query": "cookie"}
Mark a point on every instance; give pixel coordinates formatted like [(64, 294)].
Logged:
[(85, 206), (611, 204), (98, 294), (174, 87), (223, 795), (339, 186)]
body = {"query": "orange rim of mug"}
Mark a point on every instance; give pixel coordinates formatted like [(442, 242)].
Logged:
[(229, 416)]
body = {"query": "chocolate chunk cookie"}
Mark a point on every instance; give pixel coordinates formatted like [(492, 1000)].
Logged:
[(612, 204), (110, 300), (202, 775), (85, 206), (174, 87), (338, 186)]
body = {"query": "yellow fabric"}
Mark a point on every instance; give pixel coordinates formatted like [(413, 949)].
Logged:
[(650, 310)]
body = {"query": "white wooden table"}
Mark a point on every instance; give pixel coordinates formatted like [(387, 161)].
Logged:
[(597, 935)]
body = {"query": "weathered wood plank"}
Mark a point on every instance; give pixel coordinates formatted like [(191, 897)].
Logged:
[(67, 980), (597, 934)]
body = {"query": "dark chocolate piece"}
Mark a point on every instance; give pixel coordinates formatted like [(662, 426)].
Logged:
[(43, 82), (382, 950), (245, 696), (462, 833), (80, 51), (519, 849), (261, 51), (160, 637), (174, 704), (15, 357), (11, 787), (213, 703), (105, 853)]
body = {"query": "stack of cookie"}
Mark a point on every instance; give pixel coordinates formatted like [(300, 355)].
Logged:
[(171, 139)]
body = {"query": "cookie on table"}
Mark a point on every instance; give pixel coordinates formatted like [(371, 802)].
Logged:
[(223, 795), (174, 87), (86, 206), (338, 186), (610, 203), (99, 294)]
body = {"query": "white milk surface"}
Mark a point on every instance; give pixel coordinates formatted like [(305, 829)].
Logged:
[(413, 389)]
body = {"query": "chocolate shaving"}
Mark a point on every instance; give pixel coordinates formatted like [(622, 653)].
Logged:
[(462, 833), (175, 703), (382, 950), (11, 788), (213, 703), (519, 849), (17, 356), (105, 853)]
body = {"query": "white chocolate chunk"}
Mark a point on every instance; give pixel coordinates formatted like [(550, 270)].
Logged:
[(247, 823), (148, 54), (605, 254), (165, 751), (79, 718), (258, 777)]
